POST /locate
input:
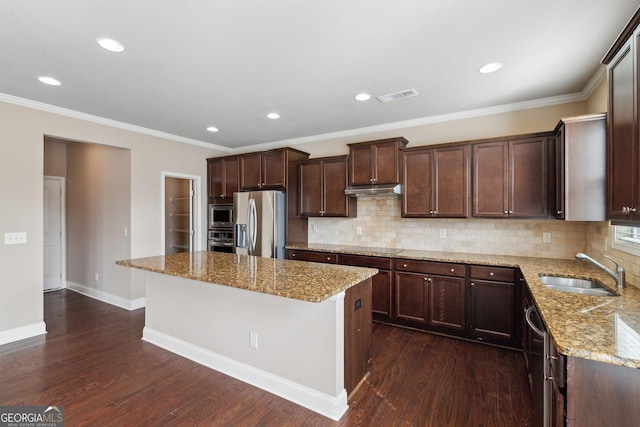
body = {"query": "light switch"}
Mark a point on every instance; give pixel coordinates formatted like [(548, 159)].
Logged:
[(546, 237)]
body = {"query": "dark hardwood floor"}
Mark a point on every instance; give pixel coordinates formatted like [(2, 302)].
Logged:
[(93, 362)]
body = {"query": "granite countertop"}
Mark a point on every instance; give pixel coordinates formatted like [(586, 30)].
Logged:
[(304, 281), (605, 329)]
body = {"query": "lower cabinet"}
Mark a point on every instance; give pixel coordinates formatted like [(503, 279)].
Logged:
[(470, 301), (492, 304), (430, 293), (357, 334), (381, 282)]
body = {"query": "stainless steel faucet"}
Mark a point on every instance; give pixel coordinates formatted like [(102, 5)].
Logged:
[(618, 276)]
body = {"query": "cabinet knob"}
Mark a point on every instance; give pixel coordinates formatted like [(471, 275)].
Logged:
[(506, 212), (328, 258), (473, 284), (426, 278), (431, 212), (293, 255), (453, 270), (404, 265), (632, 210), (559, 213), (491, 273), (510, 212)]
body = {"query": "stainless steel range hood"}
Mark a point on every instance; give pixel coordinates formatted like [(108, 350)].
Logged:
[(377, 190)]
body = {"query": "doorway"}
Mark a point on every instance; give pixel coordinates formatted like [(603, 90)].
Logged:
[(180, 213), (54, 256)]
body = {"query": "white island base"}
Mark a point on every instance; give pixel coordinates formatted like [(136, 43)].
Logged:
[(291, 348)]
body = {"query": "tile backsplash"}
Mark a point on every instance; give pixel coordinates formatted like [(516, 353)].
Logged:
[(379, 224)]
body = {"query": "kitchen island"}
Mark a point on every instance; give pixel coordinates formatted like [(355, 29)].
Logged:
[(299, 330)]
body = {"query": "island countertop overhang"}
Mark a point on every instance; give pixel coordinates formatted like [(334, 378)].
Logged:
[(300, 280)]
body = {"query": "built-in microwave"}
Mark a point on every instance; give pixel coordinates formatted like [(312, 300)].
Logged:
[(221, 215)]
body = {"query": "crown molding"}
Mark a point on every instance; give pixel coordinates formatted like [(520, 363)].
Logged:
[(41, 106), (480, 112), (468, 114)]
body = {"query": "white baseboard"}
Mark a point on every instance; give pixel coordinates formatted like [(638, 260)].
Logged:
[(106, 297), (324, 404), (23, 332)]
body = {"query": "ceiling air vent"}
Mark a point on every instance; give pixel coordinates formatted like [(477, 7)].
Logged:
[(409, 93)]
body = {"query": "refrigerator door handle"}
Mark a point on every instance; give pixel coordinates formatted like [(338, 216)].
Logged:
[(253, 225)]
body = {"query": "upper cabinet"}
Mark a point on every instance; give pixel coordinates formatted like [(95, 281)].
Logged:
[(436, 182), (510, 178), (321, 188), (376, 162), (267, 170), (623, 141), (580, 150), (224, 178)]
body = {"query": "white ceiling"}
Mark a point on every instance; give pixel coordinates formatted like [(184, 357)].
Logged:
[(227, 63)]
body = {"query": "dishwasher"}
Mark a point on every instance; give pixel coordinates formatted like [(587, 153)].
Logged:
[(538, 354)]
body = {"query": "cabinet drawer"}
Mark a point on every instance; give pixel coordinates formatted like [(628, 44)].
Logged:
[(499, 274), (430, 267), (313, 256), (366, 261)]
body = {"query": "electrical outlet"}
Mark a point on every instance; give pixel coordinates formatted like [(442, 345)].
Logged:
[(253, 340), (126, 231), (442, 233), (97, 276), (15, 238), (314, 227), (359, 231), (546, 237)]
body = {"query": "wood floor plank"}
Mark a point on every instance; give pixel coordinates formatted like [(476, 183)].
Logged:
[(93, 362)]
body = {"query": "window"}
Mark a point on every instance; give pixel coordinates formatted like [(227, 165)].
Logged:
[(626, 239)]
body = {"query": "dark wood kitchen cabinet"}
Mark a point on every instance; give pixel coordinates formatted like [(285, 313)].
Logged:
[(322, 183), (224, 178), (436, 182), (375, 162), (580, 168), (313, 256), (381, 285), (492, 303), (268, 170), (510, 178), (623, 140), (430, 293), (357, 334)]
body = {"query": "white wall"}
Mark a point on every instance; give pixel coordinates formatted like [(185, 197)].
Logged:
[(21, 188)]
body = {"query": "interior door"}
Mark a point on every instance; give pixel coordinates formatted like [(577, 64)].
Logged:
[(52, 260)]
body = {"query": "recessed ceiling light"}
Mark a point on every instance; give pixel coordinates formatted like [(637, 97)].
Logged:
[(213, 129), (273, 116), (49, 81), (490, 68), (110, 44), (362, 97)]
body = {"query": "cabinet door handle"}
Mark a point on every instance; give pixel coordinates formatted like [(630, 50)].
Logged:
[(559, 213), (632, 210)]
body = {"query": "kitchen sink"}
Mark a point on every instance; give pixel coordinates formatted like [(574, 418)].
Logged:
[(576, 286)]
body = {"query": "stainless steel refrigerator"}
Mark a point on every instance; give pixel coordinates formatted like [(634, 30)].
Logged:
[(259, 223)]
